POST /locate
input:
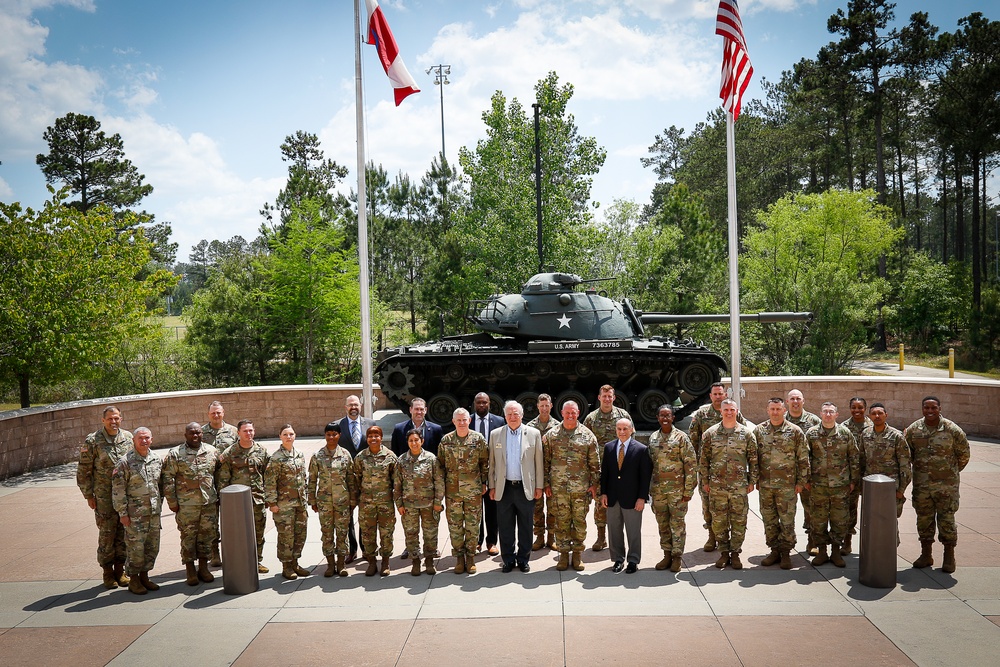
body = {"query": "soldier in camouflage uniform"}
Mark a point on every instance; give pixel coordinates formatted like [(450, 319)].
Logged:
[(100, 453), (703, 419), (602, 422), (137, 496), (834, 471), (783, 471), (857, 423), (805, 420), (418, 489), (245, 463), (573, 473), (189, 488), (465, 461), (543, 422), (220, 435), (727, 468), (883, 451), (939, 451), (285, 496), (375, 470), (331, 490), (675, 476)]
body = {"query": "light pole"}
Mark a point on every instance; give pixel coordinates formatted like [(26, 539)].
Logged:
[(441, 73)]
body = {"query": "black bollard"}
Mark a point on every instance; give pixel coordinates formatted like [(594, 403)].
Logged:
[(239, 540), (878, 532)]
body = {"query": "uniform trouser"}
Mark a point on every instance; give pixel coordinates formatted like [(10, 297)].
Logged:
[(290, 523), (624, 523), (543, 516), (196, 524), (936, 505), (829, 514), (142, 544), (464, 518), (852, 509), (670, 511), (335, 524), (259, 519), (706, 507), (515, 517), (600, 515), (110, 537), (374, 517), (777, 510), (729, 518), (805, 496), (570, 511), (489, 528), (421, 521)]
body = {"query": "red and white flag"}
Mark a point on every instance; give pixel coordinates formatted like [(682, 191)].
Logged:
[(736, 67), (380, 35)]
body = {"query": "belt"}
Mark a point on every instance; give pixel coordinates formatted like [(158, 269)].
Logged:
[(515, 482)]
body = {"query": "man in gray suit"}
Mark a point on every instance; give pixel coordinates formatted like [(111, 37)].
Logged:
[(516, 480)]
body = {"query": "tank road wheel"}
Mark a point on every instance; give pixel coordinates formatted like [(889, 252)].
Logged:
[(543, 369), (455, 372), (584, 368), (624, 367), (621, 400), (397, 381), (440, 407), (571, 395), (695, 379), (529, 400), (496, 403), (649, 402), (501, 371)]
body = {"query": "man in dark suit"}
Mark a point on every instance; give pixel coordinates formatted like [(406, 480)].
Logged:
[(484, 422), (431, 432), (625, 473), (354, 428)]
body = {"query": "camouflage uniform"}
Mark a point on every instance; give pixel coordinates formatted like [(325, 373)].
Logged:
[(602, 425), (782, 464), (98, 457), (246, 466), (572, 466), (728, 464), (703, 419), (938, 457), (886, 453), (189, 485), (834, 464), (418, 486), (465, 465), (220, 438), (137, 492), (675, 475), (542, 518), (805, 421), (331, 490), (855, 429), (375, 473), (285, 486)]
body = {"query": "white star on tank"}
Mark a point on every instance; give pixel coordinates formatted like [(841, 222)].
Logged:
[(564, 321)]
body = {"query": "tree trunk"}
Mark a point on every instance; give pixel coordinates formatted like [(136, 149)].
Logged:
[(959, 212), (944, 210), (22, 384), (977, 275)]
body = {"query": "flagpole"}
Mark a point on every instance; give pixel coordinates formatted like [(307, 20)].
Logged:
[(734, 250), (367, 397)]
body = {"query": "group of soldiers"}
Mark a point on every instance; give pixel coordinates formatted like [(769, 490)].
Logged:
[(794, 455)]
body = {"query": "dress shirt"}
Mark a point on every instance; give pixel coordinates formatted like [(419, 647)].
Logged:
[(514, 455)]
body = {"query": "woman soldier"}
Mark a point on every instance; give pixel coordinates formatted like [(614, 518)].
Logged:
[(374, 469), (419, 489), (285, 496), (331, 495)]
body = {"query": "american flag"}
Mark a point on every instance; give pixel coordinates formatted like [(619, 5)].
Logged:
[(736, 67)]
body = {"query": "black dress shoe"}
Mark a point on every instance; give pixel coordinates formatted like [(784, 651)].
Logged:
[(618, 566), (508, 568), (632, 568), (350, 557), (524, 567)]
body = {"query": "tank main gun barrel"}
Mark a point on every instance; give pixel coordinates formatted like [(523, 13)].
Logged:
[(763, 318)]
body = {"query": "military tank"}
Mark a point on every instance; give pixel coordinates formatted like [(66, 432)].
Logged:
[(554, 338)]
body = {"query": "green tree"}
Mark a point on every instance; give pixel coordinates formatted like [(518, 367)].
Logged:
[(74, 289), (311, 176), (928, 300)]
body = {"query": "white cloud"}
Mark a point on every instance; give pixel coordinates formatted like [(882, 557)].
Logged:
[(5, 190)]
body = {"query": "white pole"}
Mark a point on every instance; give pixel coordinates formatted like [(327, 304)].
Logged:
[(367, 397), (734, 277)]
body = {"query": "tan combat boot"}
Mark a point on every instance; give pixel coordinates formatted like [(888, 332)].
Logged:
[(539, 541), (723, 560), (811, 547), (331, 568), (734, 560), (109, 577), (429, 565), (711, 542), (846, 548), (665, 563), (216, 556), (384, 570), (135, 586), (786, 561), (120, 575), (192, 574), (372, 567), (146, 583), (601, 543), (836, 556), (460, 564), (470, 564), (771, 558), (948, 565), (578, 561), (341, 566), (299, 570), (820, 558), (415, 568), (676, 564), (288, 571), (262, 569), (926, 558), (203, 573), (563, 563)]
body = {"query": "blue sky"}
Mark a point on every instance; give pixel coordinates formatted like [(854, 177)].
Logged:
[(203, 93)]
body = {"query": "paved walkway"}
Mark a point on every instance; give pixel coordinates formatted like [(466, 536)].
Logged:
[(54, 610), (911, 370)]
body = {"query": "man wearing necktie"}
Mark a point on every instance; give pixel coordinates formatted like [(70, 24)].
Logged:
[(626, 470), (484, 422), (353, 428)]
